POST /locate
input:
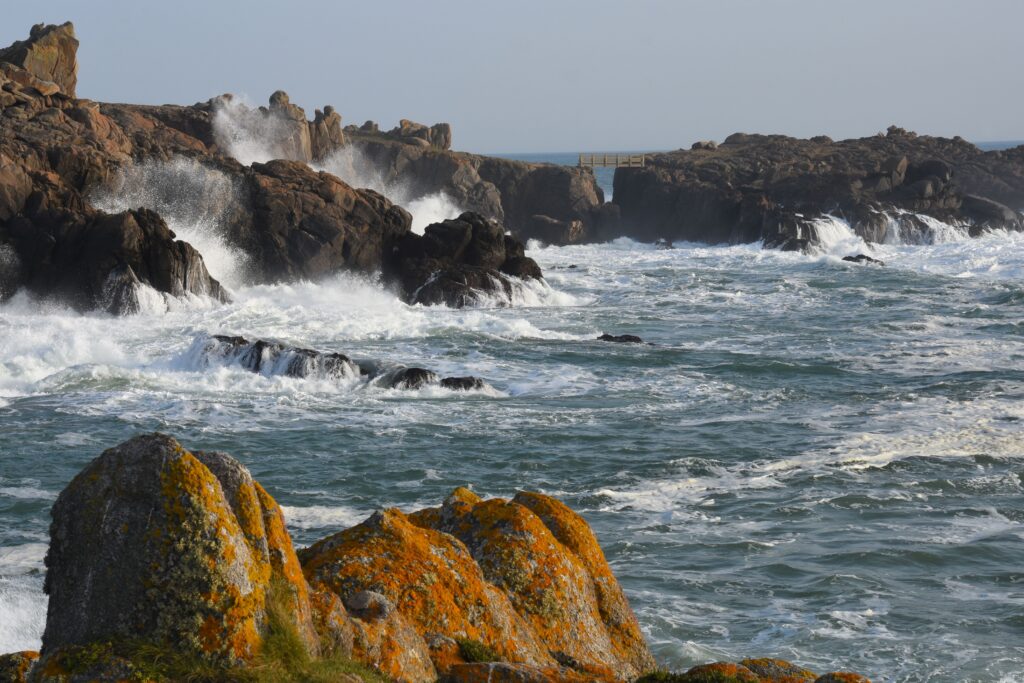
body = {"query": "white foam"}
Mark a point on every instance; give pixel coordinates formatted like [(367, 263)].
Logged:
[(329, 518)]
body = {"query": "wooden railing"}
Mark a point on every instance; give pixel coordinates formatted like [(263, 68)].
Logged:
[(614, 160)]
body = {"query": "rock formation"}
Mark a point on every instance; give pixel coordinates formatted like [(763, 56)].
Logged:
[(58, 152), (458, 261), (775, 188)]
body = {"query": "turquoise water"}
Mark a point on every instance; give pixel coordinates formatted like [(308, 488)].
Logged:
[(811, 459)]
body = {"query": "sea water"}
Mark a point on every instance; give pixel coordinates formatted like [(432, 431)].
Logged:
[(809, 459)]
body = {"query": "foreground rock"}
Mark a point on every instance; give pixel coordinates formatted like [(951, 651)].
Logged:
[(781, 190), (752, 671)]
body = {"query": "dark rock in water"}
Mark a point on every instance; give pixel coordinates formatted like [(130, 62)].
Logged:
[(863, 258), (409, 378), (459, 261), (773, 188), (468, 383), (274, 358), (621, 338), (553, 231)]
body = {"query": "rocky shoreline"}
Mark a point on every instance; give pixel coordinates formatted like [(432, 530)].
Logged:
[(170, 564)]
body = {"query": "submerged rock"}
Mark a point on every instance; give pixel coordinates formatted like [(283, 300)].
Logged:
[(274, 358), (621, 338), (863, 258)]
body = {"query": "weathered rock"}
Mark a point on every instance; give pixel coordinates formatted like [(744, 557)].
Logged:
[(621, 338), (428, 576), (153, 543), (773, 188), (293, 142), (555, 575), (274, 358), (386, 640), (49, 54), (504, 672), (409, 378), (779, 671), (552, 231), (14, 667), (468, 383), (325, 134), (458, 262), (842, 677)]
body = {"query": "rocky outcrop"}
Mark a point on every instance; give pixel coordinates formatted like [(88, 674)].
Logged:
[(460, 262), (154, 543), (271, 358), (777, 189), (15, 667), (752, 671), (510, 192), (525, 578), (50, 54)]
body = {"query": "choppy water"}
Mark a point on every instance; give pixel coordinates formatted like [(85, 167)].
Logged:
[(813, 459)]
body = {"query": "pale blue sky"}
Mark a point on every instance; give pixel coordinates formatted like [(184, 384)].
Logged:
[(529, 76)]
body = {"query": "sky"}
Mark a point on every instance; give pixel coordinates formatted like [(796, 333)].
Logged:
[(570, 75)]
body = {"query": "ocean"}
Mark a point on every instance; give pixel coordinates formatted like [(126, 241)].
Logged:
[(809, 459)]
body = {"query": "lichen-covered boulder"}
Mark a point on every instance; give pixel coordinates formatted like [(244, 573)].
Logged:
[(779, 671), (155, 544), (503, 672), (14, 667), (387, 641), (431, 579), (841, 677), (552, 569)]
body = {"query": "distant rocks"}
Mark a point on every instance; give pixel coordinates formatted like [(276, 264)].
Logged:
[(460, 262), (751, 671), (776, 189)]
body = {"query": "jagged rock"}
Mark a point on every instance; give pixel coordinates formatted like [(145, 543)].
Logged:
[(553, 231), (14, 667), (274, 358), (325, 133), (294, 142), (153, 543), (772, 188), (409, 378), (49, 54), (863, 258), (459, 261), (463, 383), (441, 135), (621, 338), (387, 641)]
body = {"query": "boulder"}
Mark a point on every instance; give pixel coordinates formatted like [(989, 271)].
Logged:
[(841, 677), (621, 338), (553, 231), (863, 259), (459, 262), (273, 358), (779, 670), (387, 641), (50, 54), (151, 543)]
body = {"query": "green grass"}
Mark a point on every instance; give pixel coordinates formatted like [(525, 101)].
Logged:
[(474, 651)]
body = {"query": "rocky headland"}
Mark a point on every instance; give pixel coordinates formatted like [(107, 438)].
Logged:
[(779, 189), (170, 564), (61, 154)]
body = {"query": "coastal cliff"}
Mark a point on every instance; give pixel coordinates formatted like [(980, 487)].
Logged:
[(61, 156), (778, 189), (170, 564)]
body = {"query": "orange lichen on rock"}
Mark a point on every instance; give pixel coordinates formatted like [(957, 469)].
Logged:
[(429, 576), (842, 677), (721, 672), (779, 671), (14, 667), (503, 672), (385, 640)]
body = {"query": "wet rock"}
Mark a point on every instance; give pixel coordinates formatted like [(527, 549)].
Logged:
[(409, 378), (49, 54), (468, 383), (863, 258), (153, 543), (14, 667), (459, 262), (553, 231), (621, 338), (274, 358), (771, 670)]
